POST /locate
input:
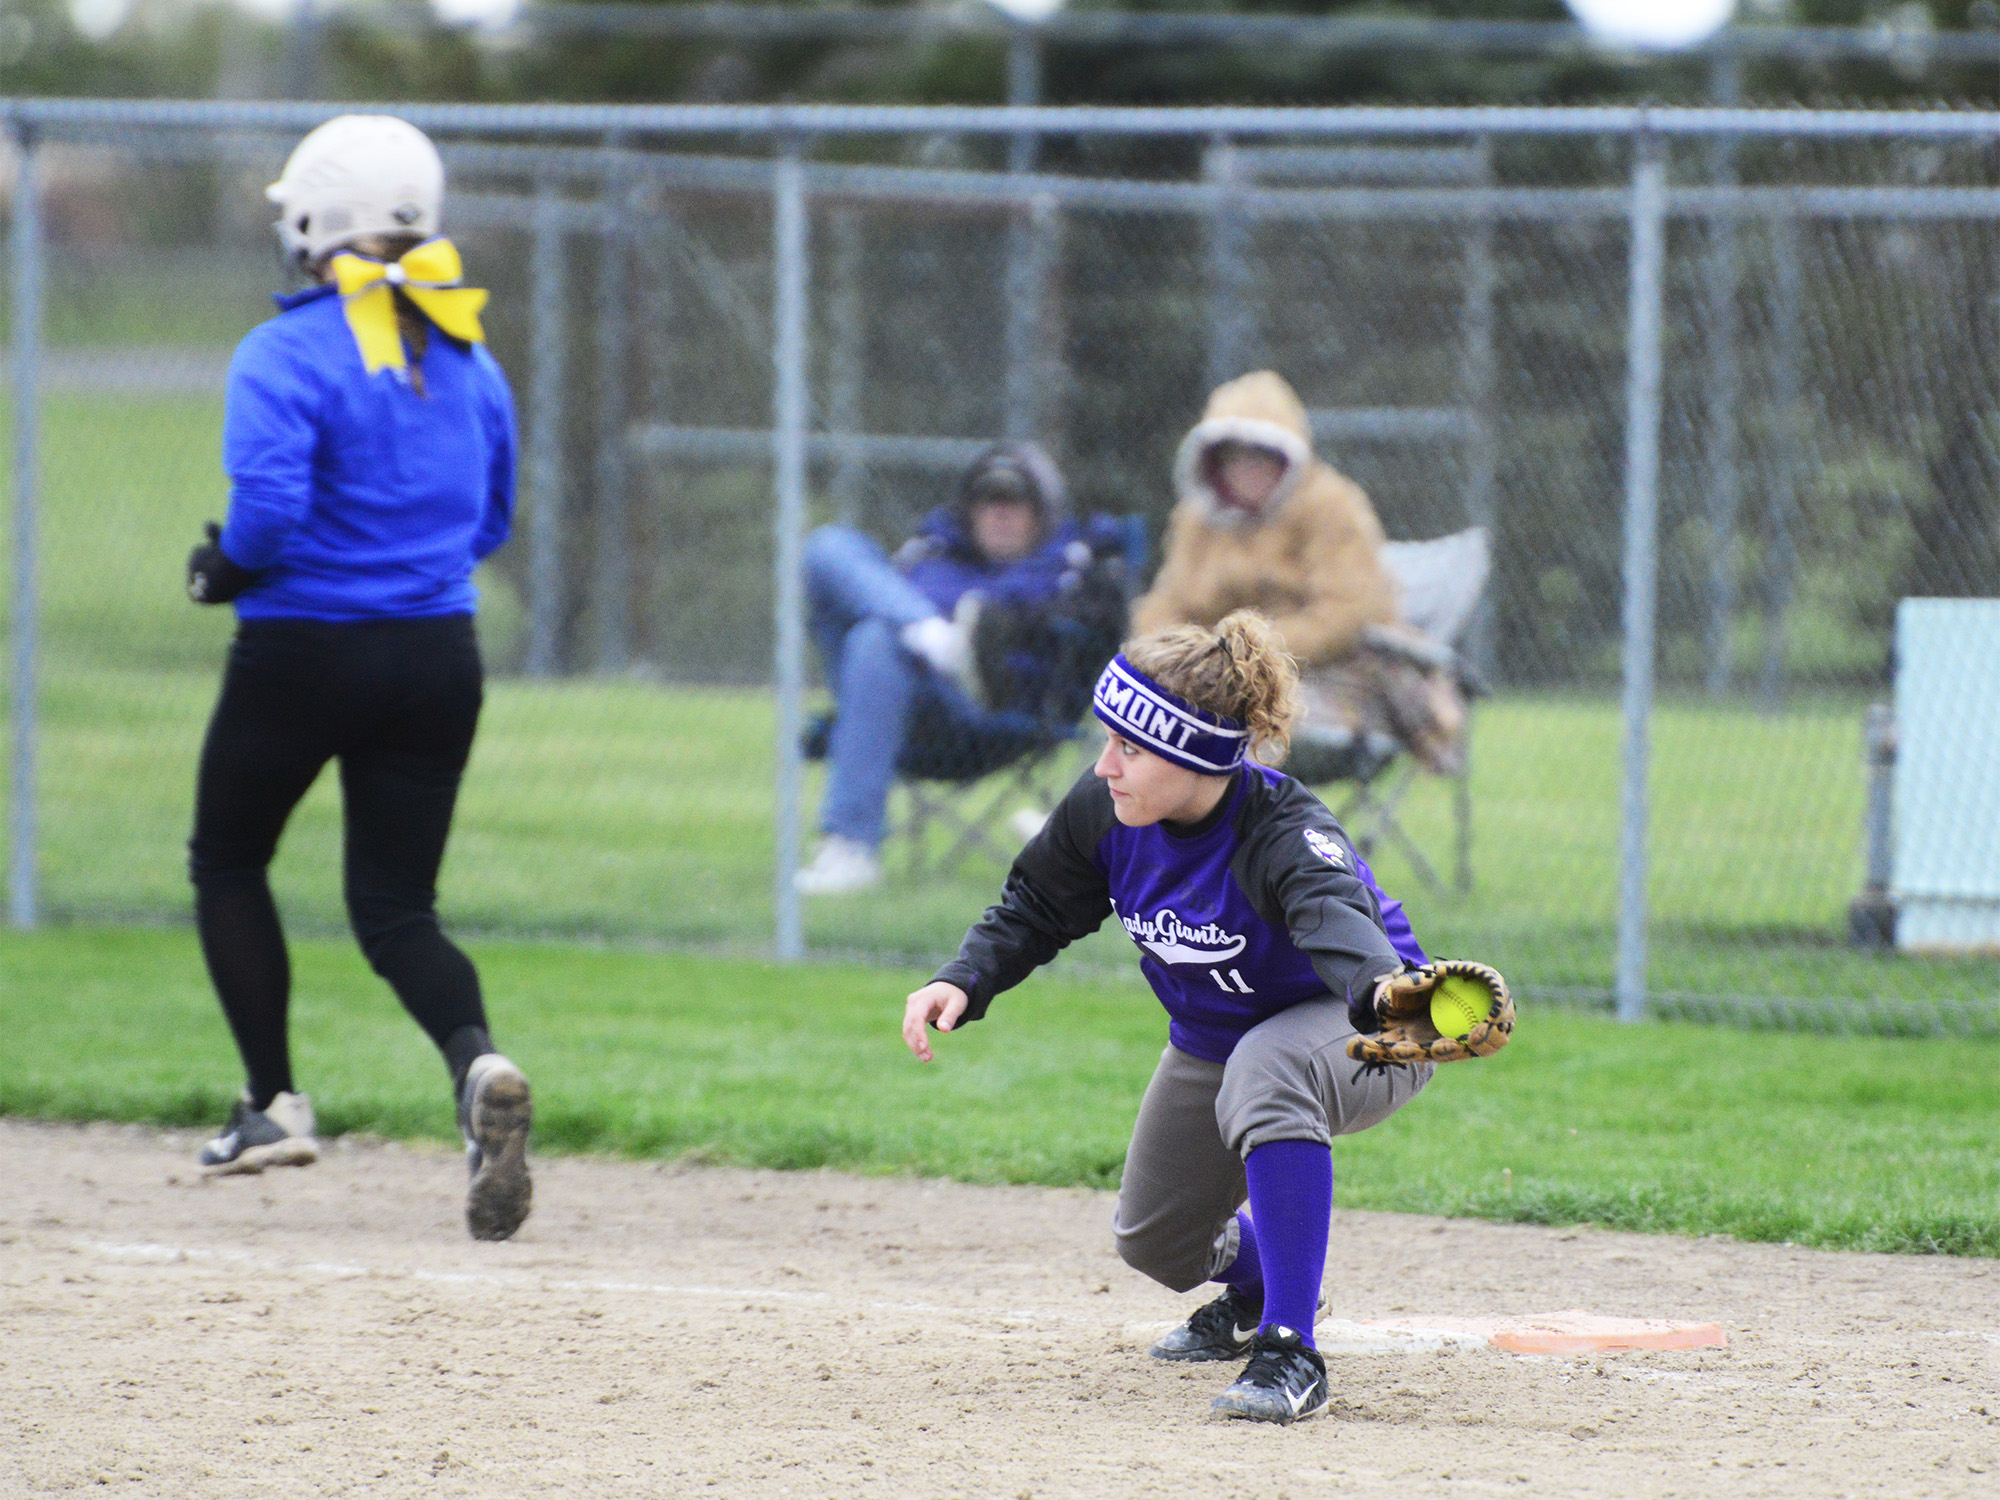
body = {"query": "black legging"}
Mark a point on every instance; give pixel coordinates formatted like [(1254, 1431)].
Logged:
[(397, 702)]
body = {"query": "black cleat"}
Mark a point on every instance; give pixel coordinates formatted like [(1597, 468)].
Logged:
[(494, 1113), (280, 1135), (1222, 1329), (1284, 1382)]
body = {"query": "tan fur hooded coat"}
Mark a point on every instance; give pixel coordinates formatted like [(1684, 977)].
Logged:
[(1310, 560)]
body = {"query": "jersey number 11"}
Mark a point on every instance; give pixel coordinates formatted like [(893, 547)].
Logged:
[(1239, 988)]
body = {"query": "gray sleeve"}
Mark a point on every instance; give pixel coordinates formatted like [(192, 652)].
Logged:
[(1296, 865), (1054, 895)]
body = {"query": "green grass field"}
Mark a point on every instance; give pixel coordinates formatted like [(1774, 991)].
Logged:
[(642, 814), (625, 810), (1869, 1144)]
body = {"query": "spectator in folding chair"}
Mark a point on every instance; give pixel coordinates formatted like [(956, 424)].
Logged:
[(940, 659), (1262, 523)]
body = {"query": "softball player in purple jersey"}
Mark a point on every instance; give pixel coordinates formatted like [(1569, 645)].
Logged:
[(1263, 934)]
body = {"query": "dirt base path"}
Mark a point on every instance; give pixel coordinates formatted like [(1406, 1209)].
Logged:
[(663, 1331)]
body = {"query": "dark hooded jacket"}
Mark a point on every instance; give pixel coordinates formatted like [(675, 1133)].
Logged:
[(943, 563), (1044, 619)]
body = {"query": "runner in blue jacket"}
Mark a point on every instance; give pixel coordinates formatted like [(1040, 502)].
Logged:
[(369, 441), (1264, 935)]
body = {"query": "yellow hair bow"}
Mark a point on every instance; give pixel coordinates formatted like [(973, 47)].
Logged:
[(429, 276)]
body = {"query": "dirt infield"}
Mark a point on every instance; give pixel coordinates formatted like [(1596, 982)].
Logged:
[(687, 1330)]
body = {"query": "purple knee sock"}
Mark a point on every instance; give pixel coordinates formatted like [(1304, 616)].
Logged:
[(1291, 1200), (1246, 1272)]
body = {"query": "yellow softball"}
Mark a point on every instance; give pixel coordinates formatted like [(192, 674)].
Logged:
[(1458, 1004)]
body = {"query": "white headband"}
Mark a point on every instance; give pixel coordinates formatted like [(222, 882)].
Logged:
[(1165, 723)]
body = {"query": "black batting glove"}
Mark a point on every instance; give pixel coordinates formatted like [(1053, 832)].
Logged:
[(212, 577)]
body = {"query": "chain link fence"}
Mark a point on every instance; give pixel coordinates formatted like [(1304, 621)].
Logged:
[(1721, 385)]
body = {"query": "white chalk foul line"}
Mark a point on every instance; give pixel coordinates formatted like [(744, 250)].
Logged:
[(1339, 1336), (346, 1270), (159, 1254), (162, 1254)]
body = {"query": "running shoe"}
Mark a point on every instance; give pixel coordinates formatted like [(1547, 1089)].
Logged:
[(1284, 1382), (279, 1135), (494, 1113), (841, 867), (1223, 1329)]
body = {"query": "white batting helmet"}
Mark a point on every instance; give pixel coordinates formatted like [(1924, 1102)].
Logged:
[(354, 176)]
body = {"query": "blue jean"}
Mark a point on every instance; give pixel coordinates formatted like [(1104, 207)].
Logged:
[(857, 605)]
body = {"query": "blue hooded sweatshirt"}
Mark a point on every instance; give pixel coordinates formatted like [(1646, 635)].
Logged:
[(943, 564), (357, 496)]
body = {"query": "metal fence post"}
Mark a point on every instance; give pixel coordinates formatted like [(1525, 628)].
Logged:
[(1230, 325), (549, 334), (1871, 916), (613, 528), (304, 50), (1048, 373), (1026, 268), (1644, 356), (789, 251), (1024, 88), (1030, 262), (847, 335), (1723, 323), (1476, 382), (23, 893), (1788, 434)]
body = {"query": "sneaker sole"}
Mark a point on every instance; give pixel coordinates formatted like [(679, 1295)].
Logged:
[(502, 1193), (293, 1151), (1213, 1354), (1209, 1355), (1231, 1413)]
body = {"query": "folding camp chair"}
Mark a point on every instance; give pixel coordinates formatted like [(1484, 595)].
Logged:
[(992, 815), (1439, 584), (963, 781)]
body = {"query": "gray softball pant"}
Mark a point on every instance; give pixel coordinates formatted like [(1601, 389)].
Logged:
[(1289, 1079)]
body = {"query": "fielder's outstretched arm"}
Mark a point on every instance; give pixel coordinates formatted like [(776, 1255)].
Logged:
[(1054, 895)]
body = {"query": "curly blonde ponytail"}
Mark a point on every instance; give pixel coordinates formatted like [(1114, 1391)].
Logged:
[(1240, 670)]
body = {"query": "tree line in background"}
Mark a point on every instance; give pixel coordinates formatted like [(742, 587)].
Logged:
[(1896, 442), (397, 49)]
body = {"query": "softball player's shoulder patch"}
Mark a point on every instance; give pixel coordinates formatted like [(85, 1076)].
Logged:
[(1326, 848)]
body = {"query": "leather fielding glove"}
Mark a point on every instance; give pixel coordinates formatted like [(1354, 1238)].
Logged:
[(1361, 995), (1403, 1009), (212, 578)]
